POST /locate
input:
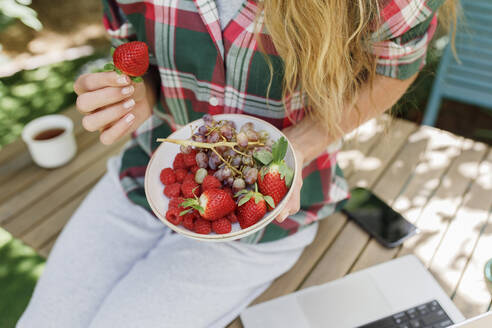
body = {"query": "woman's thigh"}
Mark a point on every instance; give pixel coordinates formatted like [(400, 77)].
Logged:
[(187, 283), (102, 241)]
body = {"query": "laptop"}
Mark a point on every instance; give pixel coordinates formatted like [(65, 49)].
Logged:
[(396, 294)]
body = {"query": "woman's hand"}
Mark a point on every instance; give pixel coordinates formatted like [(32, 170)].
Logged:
[(294, 202), (112, 104)]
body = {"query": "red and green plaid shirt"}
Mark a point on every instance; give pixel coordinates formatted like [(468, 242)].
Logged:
[(204, 69)]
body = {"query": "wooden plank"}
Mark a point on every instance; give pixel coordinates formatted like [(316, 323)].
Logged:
[(440, 210), (352, 240), (371, 133), (38, 211), (472, 296), (440, 149), (32, 173), (49, 228), (464, 230), (15, 157), (46, 249), (24, 199)]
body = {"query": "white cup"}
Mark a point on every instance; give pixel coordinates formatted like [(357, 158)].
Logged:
[(53, 152)]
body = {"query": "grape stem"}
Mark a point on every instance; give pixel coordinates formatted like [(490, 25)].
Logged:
[(212, 146)]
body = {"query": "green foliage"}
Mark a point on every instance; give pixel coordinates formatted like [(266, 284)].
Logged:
[(30, 94), (18, 9)]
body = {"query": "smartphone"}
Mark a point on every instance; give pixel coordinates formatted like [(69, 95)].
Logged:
[(376, 217)]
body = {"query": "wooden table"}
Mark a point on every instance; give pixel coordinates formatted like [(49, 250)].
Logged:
[(439, 181)]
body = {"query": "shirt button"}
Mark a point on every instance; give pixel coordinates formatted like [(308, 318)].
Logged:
[(213, 101)]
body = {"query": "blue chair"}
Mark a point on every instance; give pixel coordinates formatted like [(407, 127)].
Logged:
[(471, 80)]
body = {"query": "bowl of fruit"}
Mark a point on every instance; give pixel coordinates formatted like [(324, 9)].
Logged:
[(221, 177)]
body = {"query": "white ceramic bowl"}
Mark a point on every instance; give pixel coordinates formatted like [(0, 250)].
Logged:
[(164, 156)]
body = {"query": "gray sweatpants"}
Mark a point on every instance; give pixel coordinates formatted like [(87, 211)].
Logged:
[(115, 265)]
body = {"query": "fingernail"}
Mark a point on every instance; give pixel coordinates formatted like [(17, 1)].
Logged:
[(122, 80), (129, 118), (127, 90), (129, 104)]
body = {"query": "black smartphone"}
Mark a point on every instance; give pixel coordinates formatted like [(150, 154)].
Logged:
[(376, 217)]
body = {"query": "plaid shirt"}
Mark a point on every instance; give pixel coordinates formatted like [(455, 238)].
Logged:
[(206, 70)]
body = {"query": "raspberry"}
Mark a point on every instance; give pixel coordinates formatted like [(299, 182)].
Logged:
[(179, 162), (189, 216), (176, 202), (190, 189), (210, 182), (194, 168), (221, 226), (180, 174), (190, 159), (202, 226), (167, 176), (188, 222), (189, 177), (172, 190), (172, 215), (232, 217)]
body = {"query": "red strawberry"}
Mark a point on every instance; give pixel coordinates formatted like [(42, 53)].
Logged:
[(167, 176), (172, 215), (274, 179), (190, 189), (176, 202), (179, 162), (202, 226), (190, 158), (132, 58), (188, 222), (232, 217), (180, 174), (213, 204), (172, 190), (211, 182), (251, 207), (221, 226)]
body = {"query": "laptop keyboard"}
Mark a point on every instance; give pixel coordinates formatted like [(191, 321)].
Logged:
[(427, 315)]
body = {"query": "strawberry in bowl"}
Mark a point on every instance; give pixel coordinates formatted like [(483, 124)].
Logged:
[(220, 178)]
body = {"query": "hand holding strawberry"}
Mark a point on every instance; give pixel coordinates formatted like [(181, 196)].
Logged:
[(130, 58)]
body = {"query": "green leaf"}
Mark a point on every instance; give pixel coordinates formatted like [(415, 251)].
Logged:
[(245, 199), (279, 149), (185, 212), (109, 67), (286, 173), (258, 198), (240, 192), (269, 201), (117, 70), (263, 156), (137, 79), (112, 51)]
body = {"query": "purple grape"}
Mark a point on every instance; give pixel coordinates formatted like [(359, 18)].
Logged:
[(242, 139), (219, 174), (232, 124), (185, 149), (213, 137), (247, 126), (252, 135), (229, 152), (226, 172), (238, 185), (208, 120), (226, 131), (202, 130), (251, 175), (236, 161), (247, 160), (229, 181), (222, 150), (198, 138), (213, 161), (202, 160)]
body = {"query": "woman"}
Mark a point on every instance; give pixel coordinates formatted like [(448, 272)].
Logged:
[(315, 68)]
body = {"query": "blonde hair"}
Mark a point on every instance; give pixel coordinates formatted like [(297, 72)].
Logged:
[(325, 48)]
